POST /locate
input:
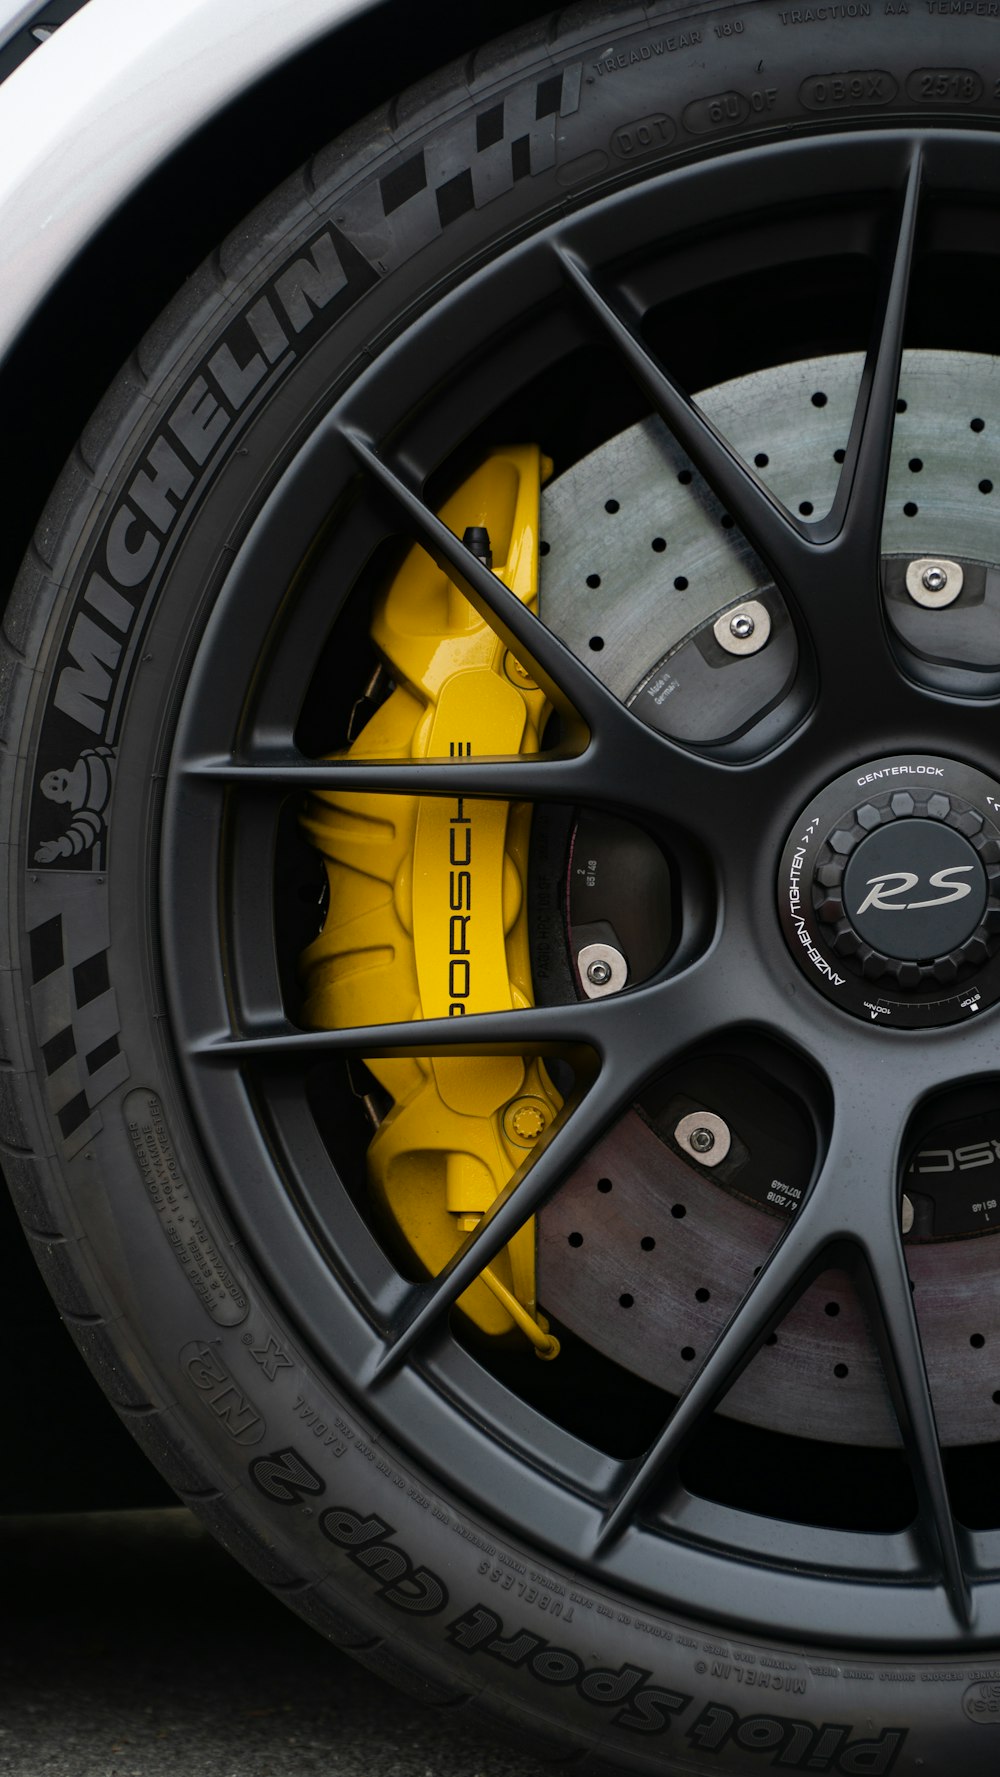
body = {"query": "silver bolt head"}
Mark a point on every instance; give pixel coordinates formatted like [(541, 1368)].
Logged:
[(705, 1136), (599, 973), (934, 582), (603, 970), (906, 1215), (744, 630)]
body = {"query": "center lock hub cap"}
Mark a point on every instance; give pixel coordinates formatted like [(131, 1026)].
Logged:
[(889, 891)]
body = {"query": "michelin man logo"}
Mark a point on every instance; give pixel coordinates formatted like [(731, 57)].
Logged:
[(85, 789)]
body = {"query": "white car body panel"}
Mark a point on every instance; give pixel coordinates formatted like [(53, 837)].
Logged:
[(14, 14), (103, 101)]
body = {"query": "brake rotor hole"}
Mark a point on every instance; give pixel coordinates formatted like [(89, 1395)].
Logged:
[(839, 455), (593, 580), (900, 406), (678, 1212), (684, 476), (840, 1370), (986, 487), (819, 399), (761, 460), (681, 584), (604, 1184), (727, 522), (688, 1353), (647, 1243), (703, 1295), (611, 506), (910, 510), (772, 1339), (659, 544), (978, 426), (626, 1300), (575, 1239), (832, 1308), (543, 548), (597, 643), (915, 465), (977, 1341), (996, 1397), (806, 508)]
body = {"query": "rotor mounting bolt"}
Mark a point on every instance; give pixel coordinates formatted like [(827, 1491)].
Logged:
[(745, 630), (603, 970), (705, 1136), (934, 583)]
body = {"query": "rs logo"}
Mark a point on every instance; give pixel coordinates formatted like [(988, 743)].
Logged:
[(886, 900)]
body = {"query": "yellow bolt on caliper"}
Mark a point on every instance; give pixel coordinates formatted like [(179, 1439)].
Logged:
[(427, 914)]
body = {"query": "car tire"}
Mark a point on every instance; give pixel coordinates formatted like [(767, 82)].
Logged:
[(197, 1297)]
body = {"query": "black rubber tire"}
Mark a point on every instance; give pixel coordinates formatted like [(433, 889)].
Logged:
[(596, 1682)]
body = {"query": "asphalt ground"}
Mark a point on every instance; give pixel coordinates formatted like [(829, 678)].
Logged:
[(132, 1646)]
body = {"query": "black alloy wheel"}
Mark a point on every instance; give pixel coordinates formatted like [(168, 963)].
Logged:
[(237, 761), (823, 991)]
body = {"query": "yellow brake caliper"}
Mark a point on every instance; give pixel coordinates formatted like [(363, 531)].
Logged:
[(427, 914)]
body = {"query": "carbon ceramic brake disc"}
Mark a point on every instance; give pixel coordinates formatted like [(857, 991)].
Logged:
[(643, 1254)]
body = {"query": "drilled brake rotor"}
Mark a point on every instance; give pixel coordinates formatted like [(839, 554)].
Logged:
[(643, 1254)]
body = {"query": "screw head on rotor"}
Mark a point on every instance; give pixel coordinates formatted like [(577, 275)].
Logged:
[(603, 970), (934, 582)]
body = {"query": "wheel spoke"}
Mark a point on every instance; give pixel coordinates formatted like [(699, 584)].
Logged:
[(850, 1217), (567, 1142), (829, 568), (843, 607), (866, 1196), (864, 1210), (799, 1256), (634, 771), (648, 1025), (569, 685), (551, 777), (858, 507), (885, 1284), (631, 1037), (778, 538), (533, 1030)]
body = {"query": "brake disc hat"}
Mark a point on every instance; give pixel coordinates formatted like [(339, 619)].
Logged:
[(638, 554), (470, 274)]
